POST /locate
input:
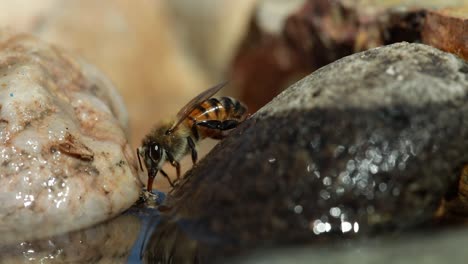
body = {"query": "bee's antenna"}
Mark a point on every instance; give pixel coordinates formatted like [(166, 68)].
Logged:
[(139, 160)]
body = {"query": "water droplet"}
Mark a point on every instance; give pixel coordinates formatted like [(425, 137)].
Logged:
[(373, 168), (351, 165), (346, 179), (338, 150), (311, 167), (340, 190), (327, 181), (356, 227), (346, 227), (374, 155), (352, 150), (324, 194), (362, 184), (335, 212), (317, 174), (377, 158), (392, 158), (11, 94), (343, 217), (320, 227), (298, 209), (28, 200), (382, 186), (396, 191)]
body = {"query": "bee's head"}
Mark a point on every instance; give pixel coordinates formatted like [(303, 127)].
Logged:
[(153, 157)]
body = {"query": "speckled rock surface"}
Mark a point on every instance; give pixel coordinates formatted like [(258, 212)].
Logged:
[(369, 143), (65, 160)]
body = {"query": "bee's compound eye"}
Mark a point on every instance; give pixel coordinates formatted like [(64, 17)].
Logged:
[(155, 152)]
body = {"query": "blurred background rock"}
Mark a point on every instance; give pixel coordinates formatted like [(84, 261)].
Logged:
[(158, 53)]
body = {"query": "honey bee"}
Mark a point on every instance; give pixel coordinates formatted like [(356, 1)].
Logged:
[(200, 118)]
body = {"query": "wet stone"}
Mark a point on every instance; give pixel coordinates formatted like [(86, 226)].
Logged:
[(368, 144), (66, 163)]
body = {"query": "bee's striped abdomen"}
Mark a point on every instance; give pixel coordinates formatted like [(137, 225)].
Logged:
[(222, 109), (210, 109)]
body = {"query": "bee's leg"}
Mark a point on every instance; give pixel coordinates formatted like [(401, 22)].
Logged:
[(219, 125), (193, 149), (167, 177), (229, 124), (211, 124), (195, 131), (174, 163)]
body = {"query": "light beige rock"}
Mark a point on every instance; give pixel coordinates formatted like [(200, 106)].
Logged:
[(64, 156)]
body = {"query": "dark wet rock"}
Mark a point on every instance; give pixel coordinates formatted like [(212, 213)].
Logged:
[(368, 144)]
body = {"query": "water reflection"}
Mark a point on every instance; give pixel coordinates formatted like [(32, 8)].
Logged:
[(171, 244), (144, 235), (184, 241), (110, 242), (123, 239)]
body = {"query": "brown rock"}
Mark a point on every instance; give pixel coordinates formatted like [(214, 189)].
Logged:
[(447, 29), (321, 32)]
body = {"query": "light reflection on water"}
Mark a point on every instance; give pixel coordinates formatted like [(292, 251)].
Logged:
[(416, 248), (150, 219)]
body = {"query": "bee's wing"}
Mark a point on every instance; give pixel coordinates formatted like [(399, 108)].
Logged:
[(190, 106)]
